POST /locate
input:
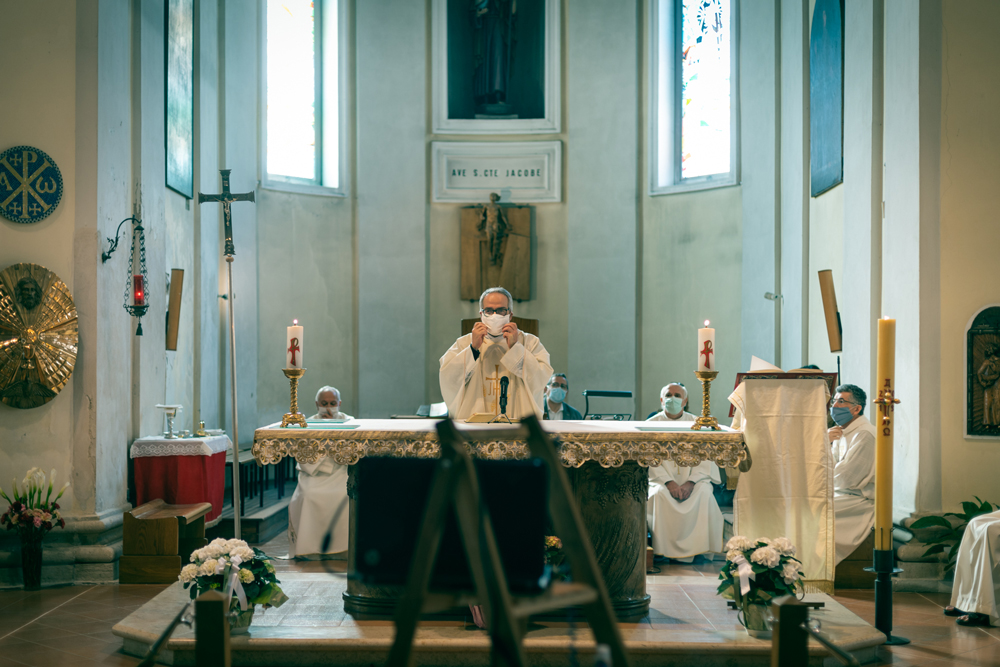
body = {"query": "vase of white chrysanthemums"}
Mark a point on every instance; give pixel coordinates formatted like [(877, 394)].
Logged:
[(756, 572), (234, 566)]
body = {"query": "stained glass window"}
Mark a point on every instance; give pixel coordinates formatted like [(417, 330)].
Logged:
[(291, 90), (705, 87), (693, 113)]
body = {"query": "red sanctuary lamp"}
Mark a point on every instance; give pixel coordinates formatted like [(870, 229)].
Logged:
[(136, 278)]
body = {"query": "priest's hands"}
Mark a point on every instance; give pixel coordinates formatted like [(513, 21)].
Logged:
[(510, 334), (478, 334), (680, 491), (835, 433)]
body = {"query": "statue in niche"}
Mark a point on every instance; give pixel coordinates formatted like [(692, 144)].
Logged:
[(493, 28), (494, 223), (989, 378)]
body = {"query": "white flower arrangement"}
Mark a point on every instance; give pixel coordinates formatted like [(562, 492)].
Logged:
[(235, 564), (758, 570)]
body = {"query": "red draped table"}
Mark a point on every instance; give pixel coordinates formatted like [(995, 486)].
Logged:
[(181, 471)]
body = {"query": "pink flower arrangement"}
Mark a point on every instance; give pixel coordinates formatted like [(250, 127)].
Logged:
[(30, 510)]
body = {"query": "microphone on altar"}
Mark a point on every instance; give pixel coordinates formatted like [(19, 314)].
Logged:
[(504, 381)]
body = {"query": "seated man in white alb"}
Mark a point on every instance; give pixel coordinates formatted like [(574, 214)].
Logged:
[(320, 494), (471, 370), (976, 591), (681, 511), (853, 443)]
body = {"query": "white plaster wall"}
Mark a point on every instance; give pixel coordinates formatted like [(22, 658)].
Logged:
[(691, 271), (970, 233), (860, 300), (239, 38), (910, 238), (602, 176), (760, 175), (392, 210), (308, 240), (826, 251), (180, 362), (42, 436), (794, 166)]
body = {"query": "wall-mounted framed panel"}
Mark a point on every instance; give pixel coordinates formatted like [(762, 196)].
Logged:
[(527, 171), (496, 67)]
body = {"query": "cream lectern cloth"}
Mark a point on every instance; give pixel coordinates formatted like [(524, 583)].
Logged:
[(789, 490)]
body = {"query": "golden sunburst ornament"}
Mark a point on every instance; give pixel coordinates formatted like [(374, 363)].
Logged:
[(38, 335)]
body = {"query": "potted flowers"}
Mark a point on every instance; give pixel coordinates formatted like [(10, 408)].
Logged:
[(756, 571), (234, 568), (33, 515)]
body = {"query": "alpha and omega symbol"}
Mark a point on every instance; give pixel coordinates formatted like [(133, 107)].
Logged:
[(30, 184)]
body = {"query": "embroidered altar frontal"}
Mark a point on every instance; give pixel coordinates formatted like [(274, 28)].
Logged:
[(608, 443)]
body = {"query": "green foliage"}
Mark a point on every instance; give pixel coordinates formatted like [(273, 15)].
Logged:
[(952, 537)]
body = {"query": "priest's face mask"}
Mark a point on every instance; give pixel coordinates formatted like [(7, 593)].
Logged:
[(328, 405), (674, 399), (496, 312)]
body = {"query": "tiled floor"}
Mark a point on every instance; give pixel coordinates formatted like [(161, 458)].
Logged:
[(72, 626)]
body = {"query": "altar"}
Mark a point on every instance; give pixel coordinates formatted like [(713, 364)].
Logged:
[(607, 462)]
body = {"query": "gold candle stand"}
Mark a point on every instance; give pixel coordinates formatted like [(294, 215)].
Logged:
[(706, 420), (294, 416)]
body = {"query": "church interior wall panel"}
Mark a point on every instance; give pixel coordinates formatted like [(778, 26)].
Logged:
[(970, 233), (826, 251), (910, 268), (308, 242), (180, 362), (602, 193), (760, 178), (207, 247), (239, 24), (42, 436), (860, 303), (692, 265), (392, 210), (794, 137)]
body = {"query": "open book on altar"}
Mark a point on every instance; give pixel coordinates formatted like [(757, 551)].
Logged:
[(763, 370)]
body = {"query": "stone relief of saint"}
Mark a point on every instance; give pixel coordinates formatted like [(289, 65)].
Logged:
[(989, 378)]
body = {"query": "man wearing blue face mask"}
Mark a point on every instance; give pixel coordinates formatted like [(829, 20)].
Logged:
[(853, 444), (556, 406)]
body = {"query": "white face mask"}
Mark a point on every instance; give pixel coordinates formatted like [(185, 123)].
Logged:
[(672, 405), (494, 323), (328, 412)]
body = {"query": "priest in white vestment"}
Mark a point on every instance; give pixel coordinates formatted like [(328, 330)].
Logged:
[(681, 509), (320, 494), (471, 370), (976, 590), (853, 444)]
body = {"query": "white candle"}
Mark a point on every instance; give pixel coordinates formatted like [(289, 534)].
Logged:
[(293, 346), (706, 348)]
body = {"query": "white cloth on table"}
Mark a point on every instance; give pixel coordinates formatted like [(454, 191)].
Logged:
[(320, 493), (788, 492), (470, 385), (977, 568), (684, 529), (854, 486), (160, 446)]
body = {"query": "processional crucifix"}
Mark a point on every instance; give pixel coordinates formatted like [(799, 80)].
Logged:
[(226, 199)]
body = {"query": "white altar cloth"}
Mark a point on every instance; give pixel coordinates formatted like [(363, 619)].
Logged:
[(160, 446)]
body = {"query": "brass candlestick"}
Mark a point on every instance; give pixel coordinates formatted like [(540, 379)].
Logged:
[(294, 416), (706, 420)]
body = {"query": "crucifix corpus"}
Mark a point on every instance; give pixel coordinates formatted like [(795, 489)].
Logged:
[(226, 199)]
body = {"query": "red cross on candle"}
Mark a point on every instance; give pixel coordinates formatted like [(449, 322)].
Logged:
[(705, 352), (293, 348)]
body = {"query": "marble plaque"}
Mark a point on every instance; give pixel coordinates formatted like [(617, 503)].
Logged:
[(518, 171)]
